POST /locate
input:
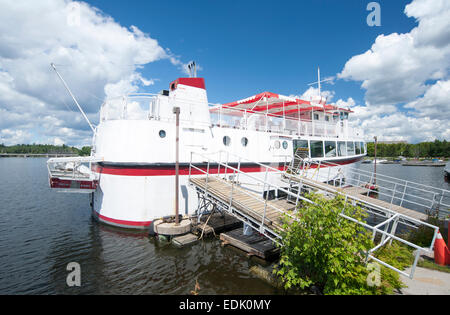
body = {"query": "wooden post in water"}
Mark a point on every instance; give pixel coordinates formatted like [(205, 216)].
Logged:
[(176, 111)]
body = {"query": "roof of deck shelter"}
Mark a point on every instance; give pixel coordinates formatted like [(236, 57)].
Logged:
[(275, 105)]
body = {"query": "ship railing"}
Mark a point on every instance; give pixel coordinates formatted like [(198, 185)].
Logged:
[(260, 121), (395, 191), (220, 167), (71, 167), (133, 106), (144, 106)]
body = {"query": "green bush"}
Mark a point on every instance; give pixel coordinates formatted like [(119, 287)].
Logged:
[(323, 249)]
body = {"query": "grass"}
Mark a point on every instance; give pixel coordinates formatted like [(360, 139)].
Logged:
[(431, 265)]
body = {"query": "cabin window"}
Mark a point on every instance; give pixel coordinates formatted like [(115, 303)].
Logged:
[(343, 115), (342, 148), (350, 148), (285, 145), (316, 116), (301, 147), (244, 141), (327, 118), (316, 149), (358, 147), (330, 148), (162, 134), (363, 149), (226, 141)]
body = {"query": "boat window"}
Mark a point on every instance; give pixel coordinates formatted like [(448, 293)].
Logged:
[(363, 148), (301, 146), (350, 148), (277, 144), (327, 118), (358, 147), (343, 115), (226, 141), (316, 116), (330, 148), (285, 145), (342, 148), (316, 149), (244, 141), (162, 133)]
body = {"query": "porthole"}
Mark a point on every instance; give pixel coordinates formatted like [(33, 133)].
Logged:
[(226, 141), (277, 144), (162, 133), (244, 141), (285, 145)]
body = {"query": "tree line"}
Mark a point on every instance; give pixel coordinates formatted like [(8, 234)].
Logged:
[(418, 150), (44, 149)]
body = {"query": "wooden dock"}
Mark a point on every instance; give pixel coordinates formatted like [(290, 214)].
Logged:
[(216, 224), (254, 245), (357, 193), (246, 202)]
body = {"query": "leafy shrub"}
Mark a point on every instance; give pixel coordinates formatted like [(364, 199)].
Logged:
[(325, 250)]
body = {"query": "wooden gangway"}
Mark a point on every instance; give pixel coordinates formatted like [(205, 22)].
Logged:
[(247, 203), (225, 188), (358, 195), (393, 195)]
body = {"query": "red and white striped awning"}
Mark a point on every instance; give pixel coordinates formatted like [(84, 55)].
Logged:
[(276, 105)]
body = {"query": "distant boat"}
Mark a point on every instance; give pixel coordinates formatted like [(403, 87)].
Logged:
[(424, 163)]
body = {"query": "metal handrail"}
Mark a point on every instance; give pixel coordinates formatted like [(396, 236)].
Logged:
[(399, 187)]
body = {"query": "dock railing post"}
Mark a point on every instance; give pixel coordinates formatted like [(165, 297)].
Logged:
[(403, 195), (265, 202)]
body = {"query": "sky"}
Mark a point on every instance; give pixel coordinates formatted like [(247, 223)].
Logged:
[(394, 76)]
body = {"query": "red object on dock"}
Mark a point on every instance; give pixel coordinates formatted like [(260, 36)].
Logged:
[(441, 252)]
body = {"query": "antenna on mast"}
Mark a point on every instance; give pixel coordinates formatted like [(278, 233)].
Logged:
[(73, 97), (319, 81)]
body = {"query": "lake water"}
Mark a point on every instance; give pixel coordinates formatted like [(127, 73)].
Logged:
[(41, 231)]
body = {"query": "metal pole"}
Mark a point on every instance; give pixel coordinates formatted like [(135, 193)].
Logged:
[(176, 111), (375, 163)]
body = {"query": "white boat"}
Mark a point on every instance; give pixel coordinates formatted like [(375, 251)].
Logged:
[(447, 170), (133, 147)]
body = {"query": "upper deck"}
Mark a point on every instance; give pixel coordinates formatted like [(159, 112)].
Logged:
[(264, 112)]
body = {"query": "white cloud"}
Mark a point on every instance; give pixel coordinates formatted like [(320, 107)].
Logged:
[(435, 103), (97, 57), (407, 72)]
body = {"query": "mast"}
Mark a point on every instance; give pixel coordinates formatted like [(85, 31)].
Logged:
[(73, 97)]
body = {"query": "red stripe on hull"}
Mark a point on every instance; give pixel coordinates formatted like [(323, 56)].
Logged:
[(169, 171), (154, 170), (123, 223)]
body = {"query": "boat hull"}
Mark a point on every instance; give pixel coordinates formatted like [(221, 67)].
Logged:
[(133, 195)]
